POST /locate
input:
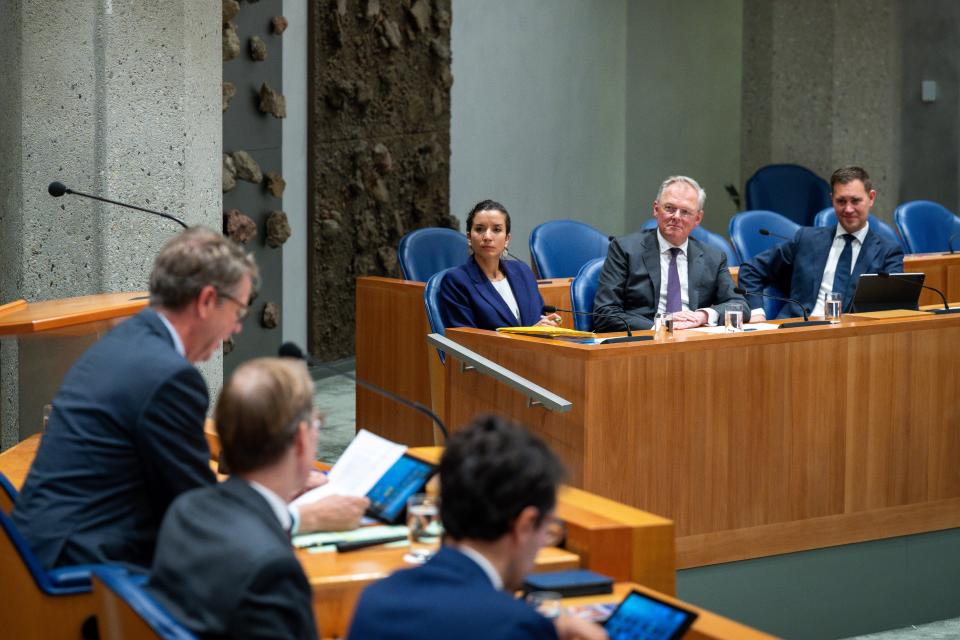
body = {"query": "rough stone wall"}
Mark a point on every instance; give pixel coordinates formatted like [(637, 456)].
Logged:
[(379, 147)]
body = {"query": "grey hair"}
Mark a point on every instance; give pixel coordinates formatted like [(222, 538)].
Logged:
[(701, 194), (194, 259)]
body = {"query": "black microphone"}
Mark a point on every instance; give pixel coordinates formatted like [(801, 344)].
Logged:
[(549, 308), (767, 232), (807, 322), (290, 350), (58, 189), (950, 242), (946, 307)]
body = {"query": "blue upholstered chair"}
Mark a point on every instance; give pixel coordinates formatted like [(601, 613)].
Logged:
[(431, 300), (126, 611), (745, 235), (927, 227), (8, 495), (828, 218), (35, 603), (560, 247), (706, 237), (424, 252), (793, 191), (583, 289)]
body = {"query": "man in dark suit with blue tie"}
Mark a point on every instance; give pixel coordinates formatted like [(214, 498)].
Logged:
[(822, 260), (126, 433), (224, 566), (498, 490), (664, 270)]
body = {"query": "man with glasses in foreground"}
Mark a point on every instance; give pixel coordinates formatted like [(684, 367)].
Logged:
[(224, 565), (498, 492), (664, 270), (126, 433)]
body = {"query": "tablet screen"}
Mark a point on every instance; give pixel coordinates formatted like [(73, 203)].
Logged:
[(388, 498), (643, 617)]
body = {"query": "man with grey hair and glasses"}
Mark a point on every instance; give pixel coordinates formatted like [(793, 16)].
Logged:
[(664, 270), (126, 433)]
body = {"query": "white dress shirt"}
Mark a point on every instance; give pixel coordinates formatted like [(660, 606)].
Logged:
[(826, 284), (177, 342), (503, 288), (683, 270), (484, 564)]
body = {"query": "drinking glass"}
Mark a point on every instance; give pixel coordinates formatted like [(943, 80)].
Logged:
[(423, 521), (733, 321), (546, 603), (833, 307)]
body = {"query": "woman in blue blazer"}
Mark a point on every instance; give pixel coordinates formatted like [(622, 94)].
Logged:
[(489, 292)]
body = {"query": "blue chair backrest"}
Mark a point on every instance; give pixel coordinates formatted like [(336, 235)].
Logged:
[(793, 191), (926, 227), (583, 290), (63, 581), (431, 300), (128, 590), (560, 247), (424, 252), (706, 237), (828, 218), (8, 495), (745, 232)]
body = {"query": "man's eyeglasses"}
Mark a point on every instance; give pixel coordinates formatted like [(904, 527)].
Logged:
[(671, 210), (242, 309)]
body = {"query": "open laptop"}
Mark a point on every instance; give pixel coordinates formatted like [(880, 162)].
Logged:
[(887, 292)]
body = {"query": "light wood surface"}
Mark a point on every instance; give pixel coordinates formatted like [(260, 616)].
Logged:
[(942, 271), (48, 315), (707, 626), (755, 443), (117, 620), (392, 352)]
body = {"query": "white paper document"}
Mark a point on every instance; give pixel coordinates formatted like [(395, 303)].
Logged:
[(364, 462), (755, 326)]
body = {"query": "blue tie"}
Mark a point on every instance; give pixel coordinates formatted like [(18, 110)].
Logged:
[(841, 277)]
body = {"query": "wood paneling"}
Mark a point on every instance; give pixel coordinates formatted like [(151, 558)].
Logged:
[(732, 434), (392, 352)]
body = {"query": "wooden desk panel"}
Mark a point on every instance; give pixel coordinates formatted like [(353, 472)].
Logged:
[(392, 352), (20, 317), (756, 443)]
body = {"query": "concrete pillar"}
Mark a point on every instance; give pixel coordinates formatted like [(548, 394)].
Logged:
[(120, 99), (821, 88)]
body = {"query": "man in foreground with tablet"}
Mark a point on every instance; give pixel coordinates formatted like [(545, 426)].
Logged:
[(224, 565), (498, 491)]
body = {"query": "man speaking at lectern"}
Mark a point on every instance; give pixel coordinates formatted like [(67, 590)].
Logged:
[(126, 434), (664, 270)]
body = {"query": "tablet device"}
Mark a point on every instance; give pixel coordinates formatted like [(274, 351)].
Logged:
[(388, 498), (887, 292), (643, 617)]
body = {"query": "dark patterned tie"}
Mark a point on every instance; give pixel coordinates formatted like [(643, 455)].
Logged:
[(674, 299), (841, 277)]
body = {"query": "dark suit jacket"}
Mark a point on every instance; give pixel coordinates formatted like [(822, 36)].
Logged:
[(450, 597), (468, 299), (124, 439), (225, 568), (629, 286), (801, 262)]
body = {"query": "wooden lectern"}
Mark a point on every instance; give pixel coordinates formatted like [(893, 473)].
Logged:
[(39, 341)]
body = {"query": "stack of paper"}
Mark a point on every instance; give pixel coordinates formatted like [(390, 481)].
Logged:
[(547, 332)]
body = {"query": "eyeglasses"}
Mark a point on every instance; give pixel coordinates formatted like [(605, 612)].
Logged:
[(242, 309), (671, 210)]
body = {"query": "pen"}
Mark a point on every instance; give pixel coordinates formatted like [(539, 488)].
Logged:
[(749, 329), (353, 545)]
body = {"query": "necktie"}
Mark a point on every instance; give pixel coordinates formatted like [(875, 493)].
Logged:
[(674, 300), (841, 278)]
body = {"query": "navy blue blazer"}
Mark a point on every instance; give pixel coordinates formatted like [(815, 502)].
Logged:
[(124, 439), (797, 267), (468, 299), (225, 568), (448, 597)]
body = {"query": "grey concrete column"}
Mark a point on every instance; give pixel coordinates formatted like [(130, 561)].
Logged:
[(116, 98), (821, 88)]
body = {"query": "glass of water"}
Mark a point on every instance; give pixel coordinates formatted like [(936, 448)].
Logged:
[(423, 520), (833, 307), (733, 321)]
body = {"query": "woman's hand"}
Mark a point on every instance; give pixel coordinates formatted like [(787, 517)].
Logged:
[(552, 320)]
